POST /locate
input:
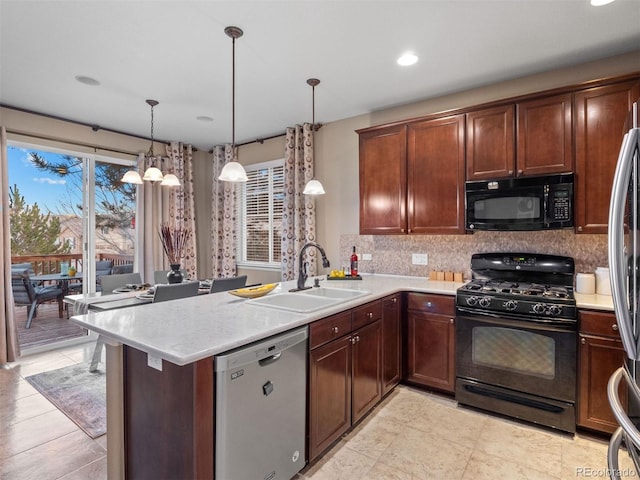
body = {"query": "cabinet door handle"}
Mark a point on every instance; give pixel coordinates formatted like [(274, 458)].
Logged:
[(614, 327), (357, 338), (402, 230), (510, 172), (408, 230), (394, 300), (369, 315), (429, 304), (580, 228), (451, 320), (334, 329), (520, 172), (583, 341)]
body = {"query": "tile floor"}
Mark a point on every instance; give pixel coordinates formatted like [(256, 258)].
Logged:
[(410, 435)]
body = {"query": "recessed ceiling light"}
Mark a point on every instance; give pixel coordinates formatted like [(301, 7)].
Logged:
[(408, 58), (87, 80), (204, 118), (599, 3)]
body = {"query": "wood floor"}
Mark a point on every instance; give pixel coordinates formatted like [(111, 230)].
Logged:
[(46, 327)]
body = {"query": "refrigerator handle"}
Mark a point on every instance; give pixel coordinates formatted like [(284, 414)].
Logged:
[(617, 258), (627, 429)]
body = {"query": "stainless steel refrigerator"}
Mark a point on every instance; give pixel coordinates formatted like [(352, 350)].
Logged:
[(624, 263)]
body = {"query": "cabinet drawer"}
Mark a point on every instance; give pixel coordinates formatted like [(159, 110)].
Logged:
[(366, 314), (427, 302), (598, 323), (329, 328)]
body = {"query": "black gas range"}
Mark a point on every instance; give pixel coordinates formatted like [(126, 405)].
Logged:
[(531, 287), (516, 338)]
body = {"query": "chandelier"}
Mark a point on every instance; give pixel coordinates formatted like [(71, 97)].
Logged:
[(153, 173)]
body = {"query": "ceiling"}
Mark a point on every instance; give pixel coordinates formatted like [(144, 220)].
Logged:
[(176, 52)]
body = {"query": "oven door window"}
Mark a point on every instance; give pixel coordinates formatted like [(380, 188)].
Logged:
[(514, 350)]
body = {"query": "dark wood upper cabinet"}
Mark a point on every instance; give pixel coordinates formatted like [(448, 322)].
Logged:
[(435, 172), (544, 136), (600, 114), (383, 181), (490, 143)]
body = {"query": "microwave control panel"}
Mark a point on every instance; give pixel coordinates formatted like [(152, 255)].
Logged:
[(561, 205)]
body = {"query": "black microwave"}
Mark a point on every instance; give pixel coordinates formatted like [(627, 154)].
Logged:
[(524, 203)]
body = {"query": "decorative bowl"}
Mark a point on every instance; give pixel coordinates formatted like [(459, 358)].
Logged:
[(253, 292)]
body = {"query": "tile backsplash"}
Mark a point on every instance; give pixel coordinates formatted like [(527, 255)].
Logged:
[(392, 254)]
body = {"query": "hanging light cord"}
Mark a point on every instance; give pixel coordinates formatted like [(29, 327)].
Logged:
[(233, 92)]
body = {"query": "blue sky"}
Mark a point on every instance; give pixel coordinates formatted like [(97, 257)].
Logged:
[(37, 186)]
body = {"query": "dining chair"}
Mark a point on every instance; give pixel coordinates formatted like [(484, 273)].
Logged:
[(30, 296), (174, 291), (111, 282), (103, 267), (119, 269), (225, 284)]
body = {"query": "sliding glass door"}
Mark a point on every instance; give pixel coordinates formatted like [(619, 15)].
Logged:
[(68, 212)]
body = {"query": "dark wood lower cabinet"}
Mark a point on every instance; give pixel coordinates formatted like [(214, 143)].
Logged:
[(600, 354), (345, 374), (430, 351), (330, 394), (391, 342), (366, 368), (169, 425)]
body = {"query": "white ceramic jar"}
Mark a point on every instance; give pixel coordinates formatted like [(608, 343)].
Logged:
[(603, 284), (586, 283)]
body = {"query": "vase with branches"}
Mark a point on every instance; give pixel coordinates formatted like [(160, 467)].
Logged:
[(174, 242)]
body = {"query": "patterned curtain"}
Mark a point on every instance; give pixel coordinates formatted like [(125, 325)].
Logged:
[(9, 346), (223, 216), (182, 202), (159, 205), (299, 211)]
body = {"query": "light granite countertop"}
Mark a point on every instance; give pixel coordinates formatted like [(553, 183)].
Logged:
[(594, 302), (190, 329)]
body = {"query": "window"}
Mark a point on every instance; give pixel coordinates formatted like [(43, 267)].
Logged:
[(260, 215)]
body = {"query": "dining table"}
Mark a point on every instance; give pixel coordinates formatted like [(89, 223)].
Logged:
[(63, 279)]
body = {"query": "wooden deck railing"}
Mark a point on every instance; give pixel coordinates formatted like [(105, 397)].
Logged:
[(43, 264)]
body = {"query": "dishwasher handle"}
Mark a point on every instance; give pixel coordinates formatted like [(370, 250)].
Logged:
[(269, 360)]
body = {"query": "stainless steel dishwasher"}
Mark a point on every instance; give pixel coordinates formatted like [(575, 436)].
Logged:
[(260, 409)]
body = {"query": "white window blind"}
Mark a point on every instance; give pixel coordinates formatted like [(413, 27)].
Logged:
[(260, 215)]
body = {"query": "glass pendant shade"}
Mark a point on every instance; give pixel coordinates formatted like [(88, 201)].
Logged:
[(313, 187), (153, 174), (131, 177), (170, 180), (233, 172)]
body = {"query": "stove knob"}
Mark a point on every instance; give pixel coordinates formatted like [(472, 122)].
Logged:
[(472, 301), (485, 302), (511, 305), (554, 310), (538, 308)]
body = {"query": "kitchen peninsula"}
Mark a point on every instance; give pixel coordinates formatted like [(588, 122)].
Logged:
[(165, 419), (160, 368)]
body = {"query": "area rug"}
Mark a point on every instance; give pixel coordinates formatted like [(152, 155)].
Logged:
[(78, 393)]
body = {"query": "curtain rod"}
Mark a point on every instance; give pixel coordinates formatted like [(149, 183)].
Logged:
[(70, 142), (93, 127), (261, 140)]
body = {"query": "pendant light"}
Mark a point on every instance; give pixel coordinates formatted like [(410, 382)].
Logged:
[(313, 186), (233, 171), (153, 173)]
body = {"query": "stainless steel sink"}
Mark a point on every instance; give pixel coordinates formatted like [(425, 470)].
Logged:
[(307, 300)]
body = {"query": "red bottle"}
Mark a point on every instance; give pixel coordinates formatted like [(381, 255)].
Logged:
[(354, 263)]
